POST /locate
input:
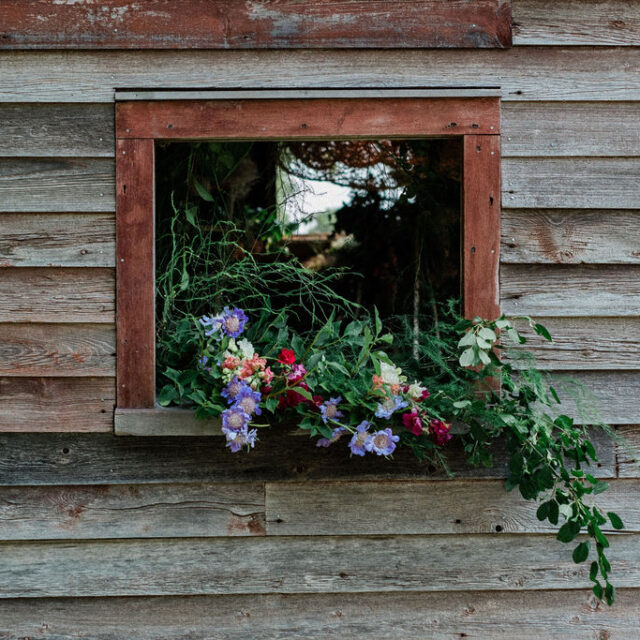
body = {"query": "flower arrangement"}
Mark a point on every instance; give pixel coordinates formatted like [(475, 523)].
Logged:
[(342, 386)]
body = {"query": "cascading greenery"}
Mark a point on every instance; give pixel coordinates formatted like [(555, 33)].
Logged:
[(297, 351)]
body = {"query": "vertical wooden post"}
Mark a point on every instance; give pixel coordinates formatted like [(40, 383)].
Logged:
[(481, 226), (135, 269)]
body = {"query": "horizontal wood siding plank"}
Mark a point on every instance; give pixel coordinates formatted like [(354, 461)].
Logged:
[(523, 73), (57, 295), (56, 404), (571, 183), (547, 236), (369, 508), (57, 184), (212, 24), (576, 22), (315, 564), (131, 511), (56, 130), (72, 459), (57, 240), (539, 129), (569, 290), (584, 343), (477, 615), (628, 457), (57, 350)]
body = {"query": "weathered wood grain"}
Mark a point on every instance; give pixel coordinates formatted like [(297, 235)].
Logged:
[(57, 295), (56, 404), (57, 184), (166, 421), (481, 227), (135, 273), (571, 183), (211, 24), (57, 240), (584, 343), (570, 290), (502, 615), (547, 236), (57, 350), (523, 73), (301, 564), (131, 511), (395, 507), (56, 130), (72, 459), (539, 129), (576, 22), (628, 454), (307, 119)]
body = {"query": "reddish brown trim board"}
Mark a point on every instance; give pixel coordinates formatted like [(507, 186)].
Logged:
[(254, 24), (138, 124)]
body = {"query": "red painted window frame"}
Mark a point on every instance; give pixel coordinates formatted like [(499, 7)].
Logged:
[(140, 123)]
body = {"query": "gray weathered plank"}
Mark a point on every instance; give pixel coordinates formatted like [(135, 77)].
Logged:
[(57, 350), (576, 22), (304, 564), (570, 290), (584, 343), (533, 236), (56, 130), (57, 295), (571, 183), (418, 507), (163, 422), (539, 129), (57, 240), (526, 615), (57, 184), (628, 455), (56, 404), (72, 459), (131, 511), (524, 73)]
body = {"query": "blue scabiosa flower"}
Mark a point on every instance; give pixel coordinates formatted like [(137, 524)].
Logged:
[(389, 406), (232, 322), (338, 432), (231, 391), (247, 399), (235, 418), (214, 324), (382, 442), (358, 442), (202, 361), (236, 439), (329, 409)]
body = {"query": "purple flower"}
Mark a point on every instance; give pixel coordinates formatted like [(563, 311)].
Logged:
[(247, 399), (213, 322), (359, 440), (234, 387), (242, 438), (382, 442), (390, 405), (297, 372), (235, 418), (203, 363), (338, 432), (233, 322), (329, 409)]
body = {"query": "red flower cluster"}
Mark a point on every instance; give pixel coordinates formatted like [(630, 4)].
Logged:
[(440, 431), (287, 356)]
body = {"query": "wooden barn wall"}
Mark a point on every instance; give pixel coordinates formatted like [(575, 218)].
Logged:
[(106, 537)]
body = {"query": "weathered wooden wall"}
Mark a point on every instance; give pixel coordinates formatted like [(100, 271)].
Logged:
[(208, 545)]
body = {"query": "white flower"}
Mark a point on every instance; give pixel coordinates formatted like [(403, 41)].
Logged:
[(390, 374), (232, 348), (246, 348), (415, 390)]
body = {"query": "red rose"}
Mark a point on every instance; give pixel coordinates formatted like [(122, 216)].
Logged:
[(287, 356)]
